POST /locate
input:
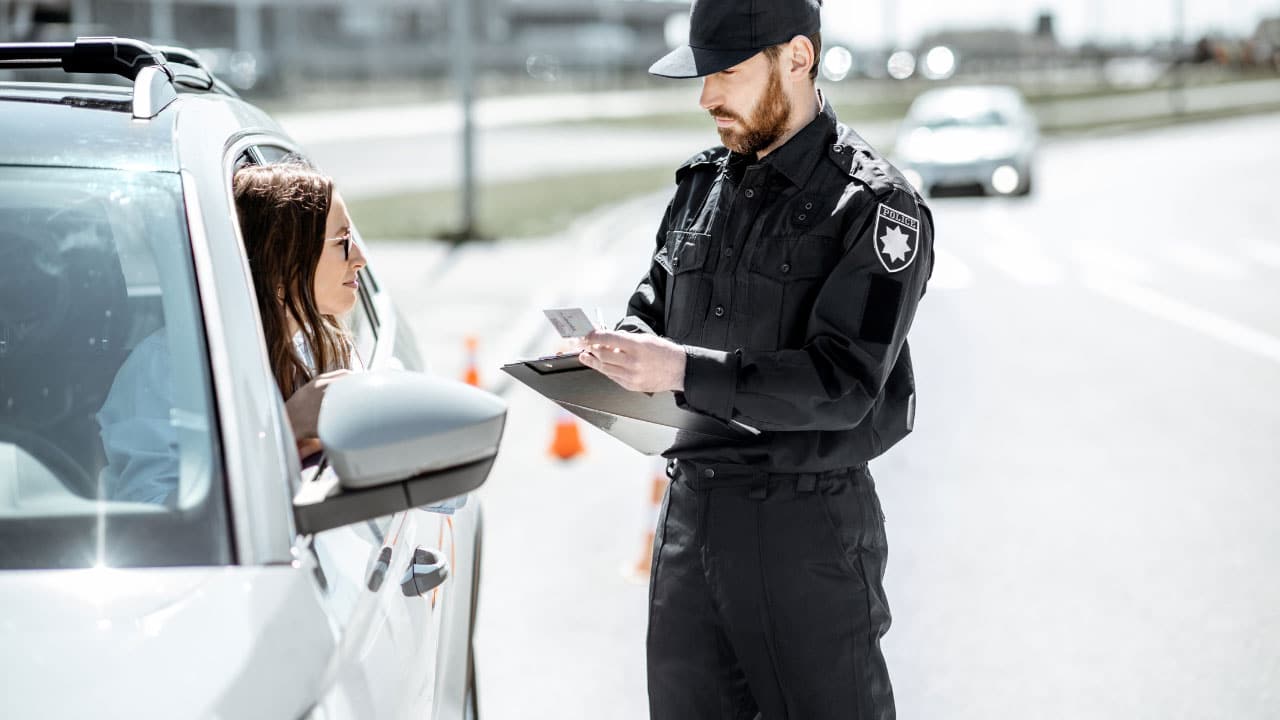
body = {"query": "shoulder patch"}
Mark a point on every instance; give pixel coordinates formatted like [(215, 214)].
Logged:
[(897, 238)]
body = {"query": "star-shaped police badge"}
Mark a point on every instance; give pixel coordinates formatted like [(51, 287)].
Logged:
[(897, 238)]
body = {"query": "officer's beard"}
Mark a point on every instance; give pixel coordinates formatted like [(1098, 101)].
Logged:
[(767, 124)]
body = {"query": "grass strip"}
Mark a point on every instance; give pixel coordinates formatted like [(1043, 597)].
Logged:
[(525, 208)]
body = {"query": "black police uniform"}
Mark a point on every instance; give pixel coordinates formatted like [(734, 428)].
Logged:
[(792, 282)]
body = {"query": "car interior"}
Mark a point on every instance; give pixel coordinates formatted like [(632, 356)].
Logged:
[(69, 318)]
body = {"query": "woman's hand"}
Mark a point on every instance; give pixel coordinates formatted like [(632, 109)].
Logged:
[(307, 448), (303, 408)]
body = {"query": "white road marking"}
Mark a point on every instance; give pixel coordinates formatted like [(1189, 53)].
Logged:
[(949, 272), (1205, 262), (1015, 250), (1268, 255), (1176, 311), (1094, 256)]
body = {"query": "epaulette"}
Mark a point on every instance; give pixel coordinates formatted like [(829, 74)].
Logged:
[(855, 157), (707, 157)]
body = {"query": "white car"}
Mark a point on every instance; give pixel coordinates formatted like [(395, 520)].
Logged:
[(263, 589), (981, 138)]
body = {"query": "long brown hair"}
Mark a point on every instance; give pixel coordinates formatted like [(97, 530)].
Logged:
[(283, 208)]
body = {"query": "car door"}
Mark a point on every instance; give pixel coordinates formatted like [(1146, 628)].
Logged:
[(384, 613), (428, 535), (424, 536)]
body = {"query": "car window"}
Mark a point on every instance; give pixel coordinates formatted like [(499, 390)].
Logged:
[(108, 445), (361, 322), (244, 160), (984, 118), (273, 154)]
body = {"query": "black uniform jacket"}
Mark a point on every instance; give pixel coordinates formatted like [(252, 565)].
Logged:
[(792, 282)]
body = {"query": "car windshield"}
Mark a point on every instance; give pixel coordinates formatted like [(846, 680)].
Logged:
[(108, 445), (981, 119)]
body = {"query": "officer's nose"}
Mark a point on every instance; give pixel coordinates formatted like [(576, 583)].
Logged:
[(711, 97)]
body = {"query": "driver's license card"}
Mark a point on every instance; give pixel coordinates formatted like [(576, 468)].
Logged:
[(570, 322)]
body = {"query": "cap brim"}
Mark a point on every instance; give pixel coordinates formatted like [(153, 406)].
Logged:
[(691, 62)]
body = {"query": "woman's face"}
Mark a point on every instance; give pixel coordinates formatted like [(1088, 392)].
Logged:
[(337, 286)]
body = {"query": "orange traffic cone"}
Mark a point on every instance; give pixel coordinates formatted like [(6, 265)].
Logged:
[(471, 375), (567, 442), (657, 488)]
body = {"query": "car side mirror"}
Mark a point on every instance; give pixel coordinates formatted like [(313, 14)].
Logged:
[(398, 440)]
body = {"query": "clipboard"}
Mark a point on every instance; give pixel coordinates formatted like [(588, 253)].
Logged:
[(652, 423)]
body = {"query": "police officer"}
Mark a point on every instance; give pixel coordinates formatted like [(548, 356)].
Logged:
[(787, 272)]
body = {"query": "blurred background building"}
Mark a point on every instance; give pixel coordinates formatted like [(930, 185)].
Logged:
[(267, 45), (282, 46)]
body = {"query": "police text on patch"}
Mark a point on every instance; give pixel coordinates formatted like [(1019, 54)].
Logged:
[(892, 215)]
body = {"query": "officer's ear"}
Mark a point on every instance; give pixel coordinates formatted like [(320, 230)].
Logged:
[(798, 58)]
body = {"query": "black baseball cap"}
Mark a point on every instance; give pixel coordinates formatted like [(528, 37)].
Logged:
[(723, 33)]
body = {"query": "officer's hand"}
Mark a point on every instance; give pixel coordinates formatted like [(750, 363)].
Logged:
[(303, 407), (638, 362)]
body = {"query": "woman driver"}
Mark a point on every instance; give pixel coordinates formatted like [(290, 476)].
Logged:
[(297, 234), (304, 264)]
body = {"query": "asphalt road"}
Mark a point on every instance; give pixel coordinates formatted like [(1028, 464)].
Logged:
[(1084, 523)]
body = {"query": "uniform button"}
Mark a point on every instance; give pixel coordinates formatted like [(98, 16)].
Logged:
[(838, 148), (728, 252), (803, 217), (808, 206), (719, 311), (675, 262), (709, 473), (750, 193), (786, 268)]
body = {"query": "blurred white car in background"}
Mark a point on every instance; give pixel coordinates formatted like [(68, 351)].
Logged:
[(975, 138)]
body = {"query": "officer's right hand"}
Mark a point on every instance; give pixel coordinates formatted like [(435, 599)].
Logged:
[(303, 407)]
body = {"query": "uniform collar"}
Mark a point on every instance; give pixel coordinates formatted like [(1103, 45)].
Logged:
[(799, 155)]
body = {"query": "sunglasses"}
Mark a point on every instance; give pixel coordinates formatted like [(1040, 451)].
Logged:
[(346, 245)]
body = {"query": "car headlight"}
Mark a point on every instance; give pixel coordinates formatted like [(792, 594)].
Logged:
[(1006, 179)]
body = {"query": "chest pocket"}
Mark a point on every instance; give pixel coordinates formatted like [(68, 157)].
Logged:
[(683, 256), (786, 275)]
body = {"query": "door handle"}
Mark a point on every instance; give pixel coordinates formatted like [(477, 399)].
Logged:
[(379, 571), (428, 571)]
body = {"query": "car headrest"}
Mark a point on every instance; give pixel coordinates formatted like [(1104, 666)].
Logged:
[(63, 305)]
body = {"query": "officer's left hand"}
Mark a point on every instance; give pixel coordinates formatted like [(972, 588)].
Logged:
[(637, 362)]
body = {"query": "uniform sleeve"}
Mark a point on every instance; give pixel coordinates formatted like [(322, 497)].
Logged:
[(854, 333), (140, 441), (647, 307)]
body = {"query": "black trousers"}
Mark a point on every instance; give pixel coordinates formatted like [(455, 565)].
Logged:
[(766, 598)]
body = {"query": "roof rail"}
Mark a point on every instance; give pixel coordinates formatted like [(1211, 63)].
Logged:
[(190, 71), (111, 55), (181, 55), (155, 72)]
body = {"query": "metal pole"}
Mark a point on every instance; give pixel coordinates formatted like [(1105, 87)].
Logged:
[(1099, 35), (5, 30), (1177, 89), (890, 18), (81, 16), (162, 21), (464, 77), (248, 26)]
